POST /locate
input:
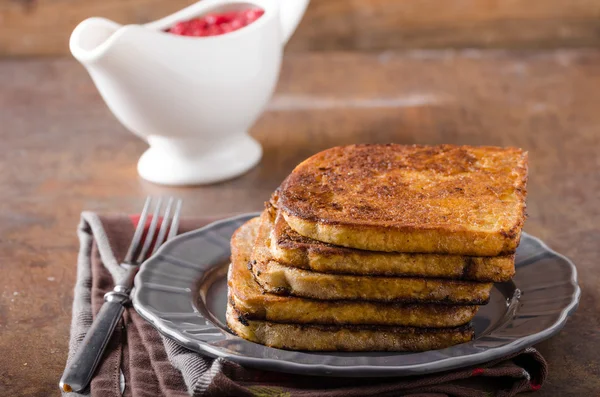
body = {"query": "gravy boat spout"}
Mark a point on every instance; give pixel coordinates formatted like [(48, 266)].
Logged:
[(92, 37)]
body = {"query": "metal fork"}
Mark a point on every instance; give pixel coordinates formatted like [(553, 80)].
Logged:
[(79, 373)]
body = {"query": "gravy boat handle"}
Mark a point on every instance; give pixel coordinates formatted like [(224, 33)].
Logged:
[(291, 13)]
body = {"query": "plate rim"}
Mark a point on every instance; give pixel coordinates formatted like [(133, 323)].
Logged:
[(363, 370)]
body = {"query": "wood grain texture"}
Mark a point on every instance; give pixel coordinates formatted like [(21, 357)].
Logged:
[(392, 24), (62, 152), (42, 27)]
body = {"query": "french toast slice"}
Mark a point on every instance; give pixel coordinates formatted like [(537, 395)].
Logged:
[(292, 249), (248, 298), (445, 199), (279, 279), (313, 337)]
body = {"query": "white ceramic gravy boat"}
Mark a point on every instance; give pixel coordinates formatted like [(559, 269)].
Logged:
[(192, 99)]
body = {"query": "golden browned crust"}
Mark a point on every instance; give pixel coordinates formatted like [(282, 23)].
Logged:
[(434, 199), (286, 280), (250, 300), (292, 249), (344, 338)]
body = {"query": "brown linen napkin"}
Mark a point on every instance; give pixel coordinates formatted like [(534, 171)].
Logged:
[(152, 365)]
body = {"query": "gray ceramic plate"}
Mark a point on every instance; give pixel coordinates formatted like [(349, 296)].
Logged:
[(182, 291)]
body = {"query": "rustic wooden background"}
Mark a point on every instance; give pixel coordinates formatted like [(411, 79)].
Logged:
[(42, 27)]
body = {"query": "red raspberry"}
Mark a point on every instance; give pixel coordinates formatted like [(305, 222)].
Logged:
[(214, 30), (179, 28), (216, 24), (226, 28), (237, 24), (253, 14)]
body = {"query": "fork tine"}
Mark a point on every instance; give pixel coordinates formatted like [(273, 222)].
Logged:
[(150, 234), (162, 232), (139, 231), (175, 222)]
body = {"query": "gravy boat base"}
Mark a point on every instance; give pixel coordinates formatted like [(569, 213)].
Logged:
[(200, 163)]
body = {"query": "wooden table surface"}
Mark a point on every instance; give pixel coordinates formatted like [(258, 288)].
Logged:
[(61, 152)]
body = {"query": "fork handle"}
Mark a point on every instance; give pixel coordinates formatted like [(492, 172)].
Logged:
[(79, 374)]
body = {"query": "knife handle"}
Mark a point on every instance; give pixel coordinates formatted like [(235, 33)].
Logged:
[(79, 373)]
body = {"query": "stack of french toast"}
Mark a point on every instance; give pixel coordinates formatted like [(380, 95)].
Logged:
[(379, 248)]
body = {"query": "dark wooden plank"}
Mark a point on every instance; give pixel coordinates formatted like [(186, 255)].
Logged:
[(392, 24), (42, 27), (62, 152)]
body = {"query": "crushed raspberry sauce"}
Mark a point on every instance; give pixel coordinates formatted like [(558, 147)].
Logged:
[(216, 24)]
